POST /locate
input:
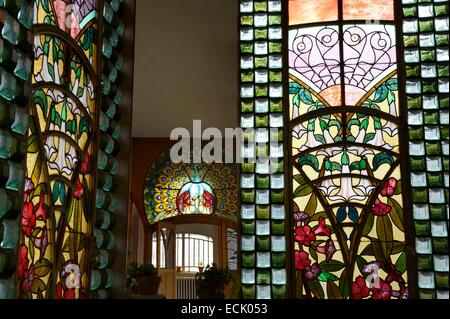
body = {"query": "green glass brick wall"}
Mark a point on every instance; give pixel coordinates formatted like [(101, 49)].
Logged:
[(263, 211), (112, 63), (16, 18), (426, 45)]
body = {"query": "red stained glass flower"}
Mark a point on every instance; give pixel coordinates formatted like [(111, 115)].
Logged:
[(301, 260), (85, 165), (389, 188), (79, 190), (382, 290), (304, 235), (322, 229), (41, 213), (23, 261), (359, 288), (28, 279), (28, 219), (312, 272), (381, 209)]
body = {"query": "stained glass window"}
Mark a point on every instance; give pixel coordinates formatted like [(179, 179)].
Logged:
[(57, 213), (345, 114), (173, 189)]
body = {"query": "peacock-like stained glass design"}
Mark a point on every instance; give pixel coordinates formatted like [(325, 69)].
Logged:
[(349, 236), (173, 189), (59, 190)]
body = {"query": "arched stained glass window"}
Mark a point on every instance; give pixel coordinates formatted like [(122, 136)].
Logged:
[(344, 118), (173, 189), (59, 190)]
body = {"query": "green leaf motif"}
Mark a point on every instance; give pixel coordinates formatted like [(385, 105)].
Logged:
[(400, 265), (294, 88), (309, 160), (312, 205), (42, 268), (326, 276), (38, 286), (316, 289), (331, 266), (380, 159), (306, 97), (303, 190), (333, 291), (385, 235), (396, 214)]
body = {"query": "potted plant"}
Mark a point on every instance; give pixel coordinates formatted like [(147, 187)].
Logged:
[(143, 279), (211, 283)]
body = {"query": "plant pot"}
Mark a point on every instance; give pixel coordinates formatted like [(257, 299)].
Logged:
[(209, 290), (148, 286)]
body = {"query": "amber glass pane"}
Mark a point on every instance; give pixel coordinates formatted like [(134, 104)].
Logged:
[(309, 11), (368, 9)]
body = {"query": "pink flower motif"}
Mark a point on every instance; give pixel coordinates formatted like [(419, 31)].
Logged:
[(329, 250), (23, 261), (301, 260), (28, 279), (29, 186), (322, 229), (380, 209), (382, 291), (79, 191), (28, 219), (300, 217), (389, 188), (312, 272), (41, 213), (85, 165), (304, 235), (359, 288)]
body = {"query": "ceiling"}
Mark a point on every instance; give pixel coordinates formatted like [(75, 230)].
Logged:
[(186, 65)]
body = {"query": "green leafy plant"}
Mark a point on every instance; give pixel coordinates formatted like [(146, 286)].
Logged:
[(212, 282), (137, 271)]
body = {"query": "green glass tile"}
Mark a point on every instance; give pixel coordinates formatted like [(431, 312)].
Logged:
[(275, 47), (248, 260), (276, 106), (277, 136), (261, 90), (441, 10), (442, 70), (442, 280), (428, 55), (275, 76), (431, 118), (427, 294), (416, 133), (277, 167), (260, 6), (442, 39), (440, 246), (277, 196), (263, 243), (438, 212), (247, 106), (423, 229), (262, 181), (412, 70), (433, 148), (248, 292), (411, 41), (248, 136), (248, 227), (445, 133), (418, 164), (263, 212), (414, 102), (263, 277), (435, 179), (279, 292), (278, 260), (262, 121), (446, 165), (420, 195), (247, 20), (275, 19), (426, 25), (278, 228), (248, 196), (425, 262), (247, 76), (261, 34), (247, 48), (409, 12), (262, 150), (248, 168), (429, 86), (261, 62), (444, 102)]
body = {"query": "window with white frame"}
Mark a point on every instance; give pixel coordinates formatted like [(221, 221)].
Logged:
[(194, 251)]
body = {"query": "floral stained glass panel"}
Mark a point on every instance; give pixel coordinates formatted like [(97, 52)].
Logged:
[(349, 232)]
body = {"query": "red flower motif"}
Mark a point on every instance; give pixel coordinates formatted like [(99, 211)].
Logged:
[(389, 188), (59, 291), (67, 294), (359, 288), (85, 165), (304, 235), (28, 219), (79, 191), (322, 229), (382, 290), (28, 279), (381, 209), (312, 272), (23, 260), (41, 210), (301, 260)]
